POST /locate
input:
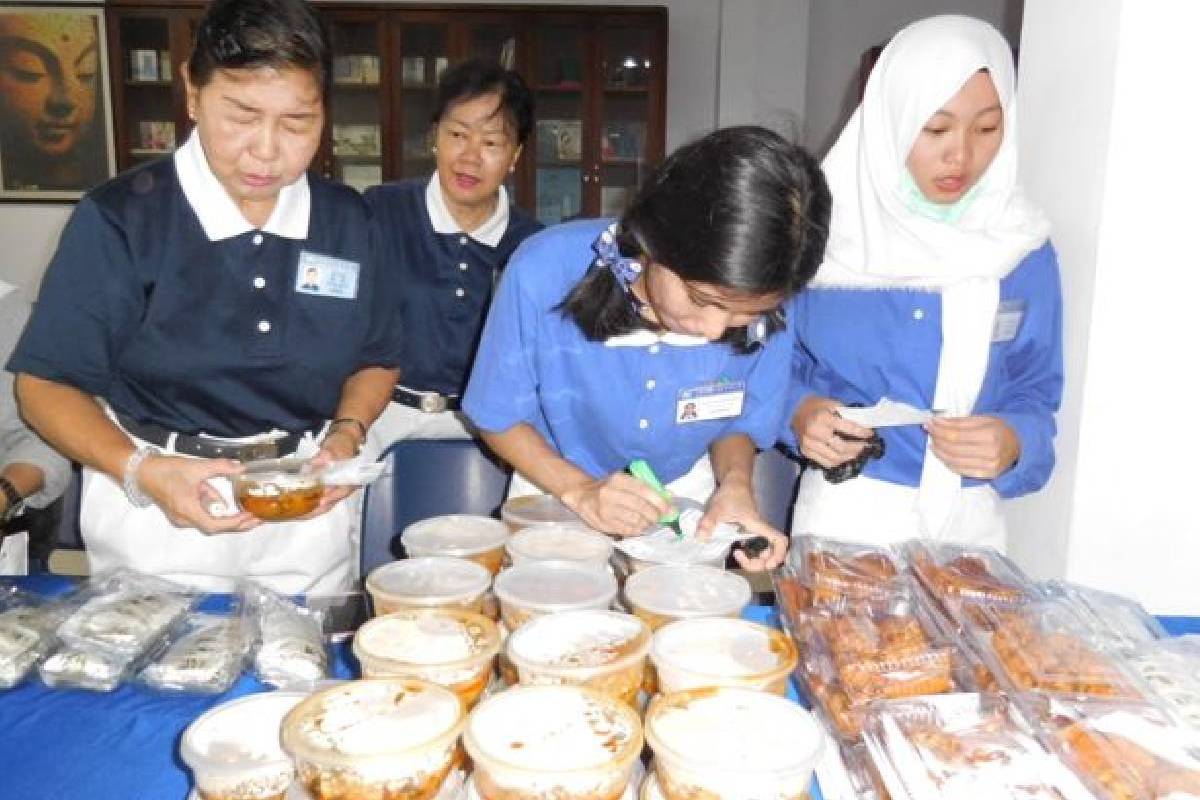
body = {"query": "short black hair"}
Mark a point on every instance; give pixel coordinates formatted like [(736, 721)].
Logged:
[(246, 34), (476, 77), (740, 208)]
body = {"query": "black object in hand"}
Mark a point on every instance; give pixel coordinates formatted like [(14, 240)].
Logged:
[(753, 547), (854, 467)]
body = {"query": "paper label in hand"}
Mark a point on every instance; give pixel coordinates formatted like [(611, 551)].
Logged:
[(886, 414)]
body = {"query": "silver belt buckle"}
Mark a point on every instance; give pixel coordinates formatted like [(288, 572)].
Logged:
[(432, 403), (258, 451)]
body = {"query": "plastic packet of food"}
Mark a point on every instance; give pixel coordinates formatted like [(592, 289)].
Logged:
[(1122, 750), (84, 668), (1044, 647), (962, 578), (125, 615), (27, 624), (291, 651), (207, 655), (963, 747), (1117, 622), (838, 571), (1170, 670)]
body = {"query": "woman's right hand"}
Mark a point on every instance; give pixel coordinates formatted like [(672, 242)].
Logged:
[(181, 489), (619, 504), (816, 421)]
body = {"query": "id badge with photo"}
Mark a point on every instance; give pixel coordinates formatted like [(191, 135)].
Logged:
[(326, 276), (1009, 315), (708, 401)]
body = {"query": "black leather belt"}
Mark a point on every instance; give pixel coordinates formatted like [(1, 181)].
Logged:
[(208, 447), (429, 402)]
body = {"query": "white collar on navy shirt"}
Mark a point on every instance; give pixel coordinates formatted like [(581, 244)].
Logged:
[(489, 233), (220, 216)]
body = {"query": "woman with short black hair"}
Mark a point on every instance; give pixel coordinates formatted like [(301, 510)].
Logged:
[(224, 307), (446, 238), (661, 336)]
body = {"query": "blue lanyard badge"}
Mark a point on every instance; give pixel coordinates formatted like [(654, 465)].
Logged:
[(719, 400), (1008, 320), (326, 276)]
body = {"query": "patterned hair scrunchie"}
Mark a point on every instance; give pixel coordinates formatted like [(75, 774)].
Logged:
[(608, 254)]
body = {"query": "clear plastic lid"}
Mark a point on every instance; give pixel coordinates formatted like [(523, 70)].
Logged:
[(688, 590), (240, 735), (429, 580), (454, 535), (719, 648), (522, 512), (445, 637), (556, 586), (556, 541), (580, 639)]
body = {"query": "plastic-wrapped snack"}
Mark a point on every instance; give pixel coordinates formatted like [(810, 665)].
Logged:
[(291, 650), (1045, 647), (1170, 669), (207, 657), (963, 747), (125, 615), (961, 577), (27, 626), (838, 572), (1117, 622), (84, 668), (1124, 751)]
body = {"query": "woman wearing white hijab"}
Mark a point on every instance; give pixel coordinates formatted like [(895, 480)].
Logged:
[(939, 289)]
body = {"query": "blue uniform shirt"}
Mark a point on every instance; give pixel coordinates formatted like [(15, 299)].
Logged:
[(858, 346), (600, 406), (139, 306), (446, 284)]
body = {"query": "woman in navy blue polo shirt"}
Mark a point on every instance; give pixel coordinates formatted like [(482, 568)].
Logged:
[(657, 337), (222, 306), (447, 238)]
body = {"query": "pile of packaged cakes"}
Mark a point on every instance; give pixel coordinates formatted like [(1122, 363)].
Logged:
[(127, 627), (942, 671)]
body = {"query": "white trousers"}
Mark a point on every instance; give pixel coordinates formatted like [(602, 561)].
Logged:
[(401, 422), (871, 511)]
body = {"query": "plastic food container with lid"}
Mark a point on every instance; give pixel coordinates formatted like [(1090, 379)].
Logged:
[(669, 592), (552, 743), (556, 541), (732, 743), (428, 581), (278, 488), (376, 738), (533, 509), (475, 538), (536, 588), (604, 650), (716, 651), (452, 648), (233, 749)]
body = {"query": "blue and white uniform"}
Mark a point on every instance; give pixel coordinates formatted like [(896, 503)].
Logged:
[(604, 404), (447, 277), (163, 301)]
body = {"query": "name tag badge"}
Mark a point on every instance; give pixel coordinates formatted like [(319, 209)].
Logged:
[(719, 400), (1008, 320), (326, 276)]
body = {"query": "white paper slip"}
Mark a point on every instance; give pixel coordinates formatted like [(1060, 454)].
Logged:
[(885, 414)]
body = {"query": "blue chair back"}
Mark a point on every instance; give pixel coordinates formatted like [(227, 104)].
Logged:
[(426, 478), (776, 481)]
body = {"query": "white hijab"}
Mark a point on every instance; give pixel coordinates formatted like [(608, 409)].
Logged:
[(877, 241)]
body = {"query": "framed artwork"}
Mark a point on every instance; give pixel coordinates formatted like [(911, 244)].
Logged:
[(55, 110)]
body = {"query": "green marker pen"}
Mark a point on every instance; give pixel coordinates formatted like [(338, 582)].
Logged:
[(641, 470)]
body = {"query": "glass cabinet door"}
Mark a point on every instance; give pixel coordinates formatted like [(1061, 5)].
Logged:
[(559, 86), (628, 74), (423, 53), (356, 105), (150, 106)]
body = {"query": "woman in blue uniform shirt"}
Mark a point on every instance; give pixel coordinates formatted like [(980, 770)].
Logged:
[(447, 238), (176, 298), (939, 289), (657, 337)]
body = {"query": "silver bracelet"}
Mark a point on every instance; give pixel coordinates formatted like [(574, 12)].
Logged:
[(129, 481)]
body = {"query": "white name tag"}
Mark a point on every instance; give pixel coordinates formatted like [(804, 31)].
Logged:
[(326, 276), (1008, 320), (719, 400)]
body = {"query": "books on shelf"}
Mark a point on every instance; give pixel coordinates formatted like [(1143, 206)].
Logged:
[(143, 66), (362, 176), (356, 69), (412, 70), (558, 194), (156, 135), (613, 200), (559, 139), (356, 140), (623, 140)]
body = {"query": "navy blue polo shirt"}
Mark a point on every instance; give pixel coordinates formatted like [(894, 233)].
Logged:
[(141, 308), (446, 284)]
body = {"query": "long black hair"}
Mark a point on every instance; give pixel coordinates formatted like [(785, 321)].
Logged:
[(740, 208), (245, 34)]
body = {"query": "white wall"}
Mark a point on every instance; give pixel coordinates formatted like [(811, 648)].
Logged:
[(840, 30), (1109, 149)]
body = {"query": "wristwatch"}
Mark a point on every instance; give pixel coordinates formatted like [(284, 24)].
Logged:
[(16, 503)]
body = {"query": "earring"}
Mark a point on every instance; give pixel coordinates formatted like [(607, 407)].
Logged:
[(433, 149)]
